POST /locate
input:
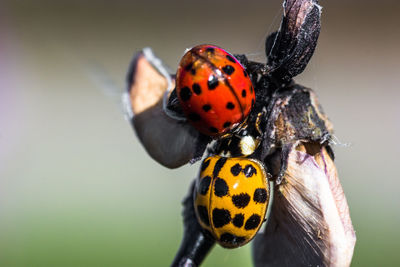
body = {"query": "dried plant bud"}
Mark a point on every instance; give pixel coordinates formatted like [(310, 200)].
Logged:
[(168, 141), (310, 223), (290, 49)]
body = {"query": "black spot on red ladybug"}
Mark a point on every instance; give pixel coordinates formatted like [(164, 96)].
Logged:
[(260, 195), (220, 217), (213, 130), (244, 73), (238, 220), (249, 171), (193, 71), (194, 117), (231, 59), (228, 69), (206, 107), (251, 89), (212, 82), (204, 185), (220, 188), (203, 214), (232, 239), (189, 66), (241, 200), (185, 93), (236, 169), (205, 164), (227, 124), (244, 93), (252, 222), (230, 105), (196, 88), (210, 49)]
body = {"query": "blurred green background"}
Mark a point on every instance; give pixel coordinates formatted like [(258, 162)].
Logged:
[(77, 188)]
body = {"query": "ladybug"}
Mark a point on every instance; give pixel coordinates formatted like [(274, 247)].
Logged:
[(214, 90), (231, 199)]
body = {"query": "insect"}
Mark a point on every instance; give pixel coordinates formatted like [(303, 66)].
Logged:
[(284, 136), (231, 199), (214, 90)]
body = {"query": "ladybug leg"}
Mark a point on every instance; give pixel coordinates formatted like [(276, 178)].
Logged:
[(284, 162), (195, 245)]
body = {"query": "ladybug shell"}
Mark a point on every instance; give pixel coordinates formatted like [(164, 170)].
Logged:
[(231, 199), (214, 90)]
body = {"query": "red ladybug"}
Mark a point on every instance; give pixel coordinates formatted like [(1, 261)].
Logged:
[(214, 90)]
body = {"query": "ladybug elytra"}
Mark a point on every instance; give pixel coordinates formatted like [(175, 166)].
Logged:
[(231, 199), (214, 90)]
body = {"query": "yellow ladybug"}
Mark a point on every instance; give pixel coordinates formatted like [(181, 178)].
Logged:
[(231, 199)]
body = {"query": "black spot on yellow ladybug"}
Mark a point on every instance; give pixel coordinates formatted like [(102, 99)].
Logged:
[(218, 166), (232, 239), (252, 222), (205, 164), (249, 171), (220, 217), (241, 201), (236, 169), (204, 185), (185, 93), (238, 220), (260, 195), (220, 188), (228, 69)]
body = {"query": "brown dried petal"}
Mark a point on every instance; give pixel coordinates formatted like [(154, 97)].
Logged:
[(310, 223), (290, 49), (168, 141)]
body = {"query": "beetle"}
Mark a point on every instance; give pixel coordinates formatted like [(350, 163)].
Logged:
[(231, 199), (214, 90), (285, 129)]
